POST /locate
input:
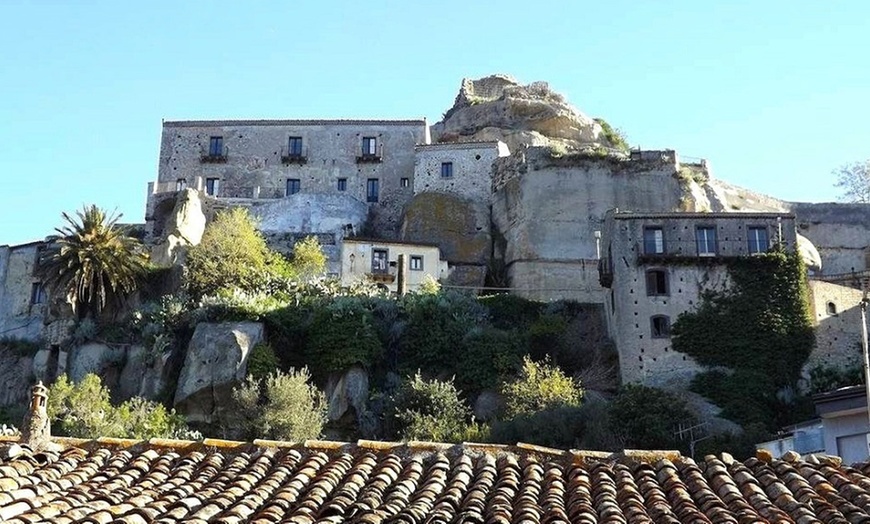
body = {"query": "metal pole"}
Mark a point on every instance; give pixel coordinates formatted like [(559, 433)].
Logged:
[(866, 361)]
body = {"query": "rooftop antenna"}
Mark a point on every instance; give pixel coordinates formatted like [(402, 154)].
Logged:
[(694, 433)]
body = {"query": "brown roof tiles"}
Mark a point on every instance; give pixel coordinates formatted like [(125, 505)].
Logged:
[(114, 481)]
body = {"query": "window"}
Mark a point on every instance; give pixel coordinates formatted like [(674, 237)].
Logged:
[(405, 182), (446, 169), (216, 146), (416, 263), (705, 236), (653, 240), (180, 184), (379, 261), (656, 282), (294, 146), (342, 184), (293, 186), (661, 326), (369, 146), (37, 293), (372, 190), (758, 242), (831, 308), (211, 186)]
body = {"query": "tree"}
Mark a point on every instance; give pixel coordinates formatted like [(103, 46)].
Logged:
[(93, 263), (309, 261), (232, 255), (648, 417), (540, 386), (854, 179), (284, 406)]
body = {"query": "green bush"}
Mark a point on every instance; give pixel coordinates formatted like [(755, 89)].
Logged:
[(546, 335), (262, 361), (507, 311), (557, 427), (490, 357), (647, 418), (824, 378), (614, 136), (83, 410), (232, 255), (341, 335), (309, 261), (540, 387), (283, 406), (431, 410)]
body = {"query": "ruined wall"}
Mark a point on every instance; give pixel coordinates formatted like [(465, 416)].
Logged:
[(837, 315), (471, 168), (18, 317), (255, 161), (548, 210), (840, 232)]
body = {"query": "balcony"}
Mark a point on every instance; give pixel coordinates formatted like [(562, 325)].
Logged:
[(375, 157), (297, 156), (218, 156), (381, 277)]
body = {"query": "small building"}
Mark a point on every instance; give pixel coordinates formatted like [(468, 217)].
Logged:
[(656, 266), (460, 168), (845, 423), (377, 260)]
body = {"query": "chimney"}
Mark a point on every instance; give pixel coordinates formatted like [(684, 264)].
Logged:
[(36, 430)]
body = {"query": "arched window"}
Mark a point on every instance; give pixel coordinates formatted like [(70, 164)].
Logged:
[(660, 326), (657, 283), (831, 308)]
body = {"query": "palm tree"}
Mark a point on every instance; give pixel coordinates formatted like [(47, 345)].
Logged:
[(93, 262)]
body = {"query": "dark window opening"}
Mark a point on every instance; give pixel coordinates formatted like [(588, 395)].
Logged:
[(369, 146), (216, 146), (661, 326), (212, 186), (416, 263), (293, 186), (656, 282), (705, 237), (37, 293), (831, 308), (294, 146), (379, 261), (446, 169), (405, 182), (758, 240), (342, 184), (180, 184)]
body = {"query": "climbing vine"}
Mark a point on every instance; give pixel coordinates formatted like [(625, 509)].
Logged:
[(760, 329)]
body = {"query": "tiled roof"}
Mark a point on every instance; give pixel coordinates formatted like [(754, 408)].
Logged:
[(115, 481)]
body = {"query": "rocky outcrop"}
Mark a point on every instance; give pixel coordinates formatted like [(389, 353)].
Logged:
[(15, 378), (184, 228), (97, 358), (498, 107), (347, 390), (142, 374), (216, 360), (460, 227)]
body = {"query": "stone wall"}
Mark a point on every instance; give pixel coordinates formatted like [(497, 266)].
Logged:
[(255, 162), (18, 316), (646, 356), (471, 168), (837, 315), (840, 232)]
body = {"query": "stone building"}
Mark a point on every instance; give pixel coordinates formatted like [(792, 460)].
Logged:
[(460, 168), (656, 266), (376, 260), (245, 161), (23, 298)]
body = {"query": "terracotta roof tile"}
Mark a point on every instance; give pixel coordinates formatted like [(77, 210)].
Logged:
[(322, 482)]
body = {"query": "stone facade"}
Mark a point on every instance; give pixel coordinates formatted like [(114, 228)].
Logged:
[(369, 160), (841, 233), (837, 314), (654, 277), (377, 260), (462, 168), (23, 302)]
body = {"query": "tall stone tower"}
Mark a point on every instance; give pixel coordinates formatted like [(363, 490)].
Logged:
[(36, 430)]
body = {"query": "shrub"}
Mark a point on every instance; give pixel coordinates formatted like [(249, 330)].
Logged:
[(342, 334), (824, 378), (647, 418), (490, 357), (231, 255), (540, 386), (283, 406), (309, 261), (19, 346), (545, 336), (558, 427), (508, 311), (430, 410), (262, 361), (615, 136), (83, 410)]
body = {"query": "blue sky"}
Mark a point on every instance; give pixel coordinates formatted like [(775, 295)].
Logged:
[(775, 94)]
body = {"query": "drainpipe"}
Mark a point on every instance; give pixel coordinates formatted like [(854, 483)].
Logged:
[(864, 302)]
